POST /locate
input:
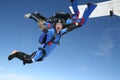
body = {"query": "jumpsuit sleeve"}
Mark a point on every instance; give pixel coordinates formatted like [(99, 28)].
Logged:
[(70, 27), (73, 26)]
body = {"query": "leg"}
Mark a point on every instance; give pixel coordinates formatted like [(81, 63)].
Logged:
[(22, 56), (40, 53), (75, 8), (42, 38), (76, 11), (35, 16), (87, 13)]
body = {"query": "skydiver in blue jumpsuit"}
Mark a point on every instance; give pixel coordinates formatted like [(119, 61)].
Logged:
[(53, 32)]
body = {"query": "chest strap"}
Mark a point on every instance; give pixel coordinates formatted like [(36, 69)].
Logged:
[(52, 40)]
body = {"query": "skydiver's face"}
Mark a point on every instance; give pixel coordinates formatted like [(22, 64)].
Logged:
[(58, 27)]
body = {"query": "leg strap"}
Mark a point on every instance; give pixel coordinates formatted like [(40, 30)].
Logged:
[(43, 54)]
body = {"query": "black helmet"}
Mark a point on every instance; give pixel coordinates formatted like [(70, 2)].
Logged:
[(62, 15)]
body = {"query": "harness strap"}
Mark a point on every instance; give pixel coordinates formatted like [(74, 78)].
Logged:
[(52, 40)]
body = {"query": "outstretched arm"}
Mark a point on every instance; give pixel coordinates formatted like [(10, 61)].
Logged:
[(70, 27), (73, 26)]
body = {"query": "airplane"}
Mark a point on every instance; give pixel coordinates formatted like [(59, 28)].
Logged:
[(107, 8)]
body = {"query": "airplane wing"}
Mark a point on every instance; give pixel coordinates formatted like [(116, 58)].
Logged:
[(106, 8)]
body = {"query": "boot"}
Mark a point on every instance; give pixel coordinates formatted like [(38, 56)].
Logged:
[(12, 55), (32, 16)]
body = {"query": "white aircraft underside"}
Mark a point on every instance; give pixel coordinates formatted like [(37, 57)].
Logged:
[(102, 9)]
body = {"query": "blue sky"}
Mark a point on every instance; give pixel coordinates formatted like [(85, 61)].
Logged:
[(88, 53)]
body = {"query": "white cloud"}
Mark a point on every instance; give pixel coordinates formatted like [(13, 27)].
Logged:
[(110, 39), (83, 68), (14, 77)]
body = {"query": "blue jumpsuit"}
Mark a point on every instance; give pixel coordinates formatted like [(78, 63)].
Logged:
[(49, 45)]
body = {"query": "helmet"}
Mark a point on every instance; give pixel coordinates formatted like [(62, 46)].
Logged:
[(62, 15)]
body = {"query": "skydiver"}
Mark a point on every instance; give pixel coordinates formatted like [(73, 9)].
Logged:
[(53, 34)]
